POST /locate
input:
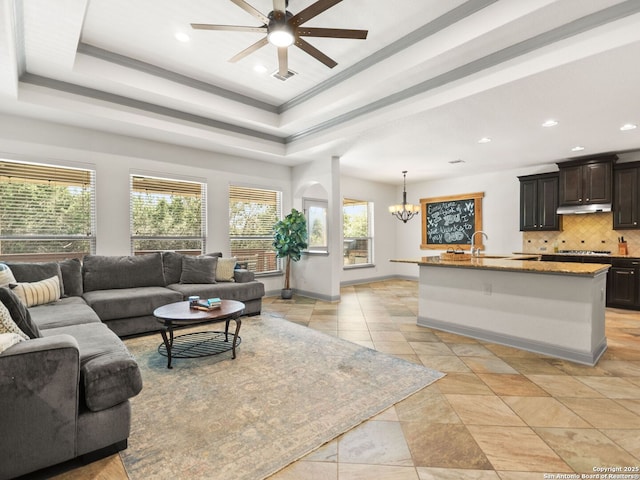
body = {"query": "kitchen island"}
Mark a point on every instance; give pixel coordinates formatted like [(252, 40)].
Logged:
[(553, 308)]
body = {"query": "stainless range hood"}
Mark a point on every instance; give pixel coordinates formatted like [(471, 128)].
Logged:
[(577, 209)]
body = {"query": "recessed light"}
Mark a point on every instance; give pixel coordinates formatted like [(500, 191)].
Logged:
[(484, 140), (628, 126), (182, 37), (577, 148), (550, 123), (260, 68)]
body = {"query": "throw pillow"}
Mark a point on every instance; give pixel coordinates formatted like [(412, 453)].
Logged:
[(19, 313), (9, 340), (71, 270), (200, 269), (172, 266), (6, 275), (36, 271), (38, 293), (225, 269), (7, 325)]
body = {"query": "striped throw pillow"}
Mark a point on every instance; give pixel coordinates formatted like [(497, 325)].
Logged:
[(38, 293), (225, 269)]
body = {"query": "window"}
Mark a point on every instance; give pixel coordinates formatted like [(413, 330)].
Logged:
[(46, 212), (316, 213), (252, 214), (167, 215), (358, 232)]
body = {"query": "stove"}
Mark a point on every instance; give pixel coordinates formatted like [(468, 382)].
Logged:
[(586, 252)]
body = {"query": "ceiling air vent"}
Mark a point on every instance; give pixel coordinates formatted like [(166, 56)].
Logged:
[(284, 78), (453, 162)]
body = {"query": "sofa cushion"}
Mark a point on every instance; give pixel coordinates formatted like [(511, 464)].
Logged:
[(71, 270), (66, 311), (108, 272), (19, 313), (34, 272), (129, 302), (109, 374), (172, 265), (224, 290), (201, 269), (38, 293), (225, 269), (8, 326)]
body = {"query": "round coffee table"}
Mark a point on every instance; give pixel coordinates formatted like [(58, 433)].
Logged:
[(179, 314)]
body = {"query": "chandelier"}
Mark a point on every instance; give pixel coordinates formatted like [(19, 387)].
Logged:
[(405, 211)]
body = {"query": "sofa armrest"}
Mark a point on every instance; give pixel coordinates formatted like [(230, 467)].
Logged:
[(241, 275), (39, 388)]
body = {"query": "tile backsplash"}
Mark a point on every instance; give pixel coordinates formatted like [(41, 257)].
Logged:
[(592, 231)]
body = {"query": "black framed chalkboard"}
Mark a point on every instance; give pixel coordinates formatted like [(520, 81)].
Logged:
[(449, 222)]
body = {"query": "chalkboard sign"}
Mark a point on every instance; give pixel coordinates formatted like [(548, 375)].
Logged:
[(449, 222)]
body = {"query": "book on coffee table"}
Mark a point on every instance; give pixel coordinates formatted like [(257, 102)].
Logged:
[(207, 305)]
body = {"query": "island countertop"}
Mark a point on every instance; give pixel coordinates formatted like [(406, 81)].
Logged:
[(513, 263)]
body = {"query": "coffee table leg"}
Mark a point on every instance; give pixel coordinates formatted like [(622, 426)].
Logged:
[(235, 336), (168, 342)]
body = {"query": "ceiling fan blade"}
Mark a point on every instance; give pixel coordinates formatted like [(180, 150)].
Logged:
[(311, 11), (232, 28), (315, 53), (283, 61), (332, 33), (259, 44), (248, 8)]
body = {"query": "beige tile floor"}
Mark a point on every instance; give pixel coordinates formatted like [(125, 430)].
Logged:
[(499, 414)]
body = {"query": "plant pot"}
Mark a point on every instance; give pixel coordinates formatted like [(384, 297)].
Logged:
[(286, 293)]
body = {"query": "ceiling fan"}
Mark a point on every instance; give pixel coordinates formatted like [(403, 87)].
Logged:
[(283, 29)]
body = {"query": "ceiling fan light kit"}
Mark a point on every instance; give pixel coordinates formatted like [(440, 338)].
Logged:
[(282, 29)]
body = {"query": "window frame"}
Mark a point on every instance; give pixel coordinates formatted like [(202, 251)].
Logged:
[(308, 203), (161, 185), (370, 262), (32, 172), (266, 237)]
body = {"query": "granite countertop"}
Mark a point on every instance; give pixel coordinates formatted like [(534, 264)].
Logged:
[(513, 263)]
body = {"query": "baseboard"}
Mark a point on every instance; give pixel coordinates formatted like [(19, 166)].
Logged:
[(584, 358), (328, 298)]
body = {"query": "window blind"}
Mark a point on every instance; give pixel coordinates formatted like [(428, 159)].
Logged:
[(252, 214), (167, 214), (46, 212)]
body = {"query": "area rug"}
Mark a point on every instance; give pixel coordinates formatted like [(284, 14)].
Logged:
[(290, 390)]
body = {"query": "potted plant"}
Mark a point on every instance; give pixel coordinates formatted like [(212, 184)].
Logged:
[(289, 240)]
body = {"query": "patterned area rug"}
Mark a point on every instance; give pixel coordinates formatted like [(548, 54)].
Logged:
[(290, 390)]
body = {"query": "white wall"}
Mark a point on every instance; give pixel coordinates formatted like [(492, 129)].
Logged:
[(384, 228), (115, 157), (500, 213), (315, 274)]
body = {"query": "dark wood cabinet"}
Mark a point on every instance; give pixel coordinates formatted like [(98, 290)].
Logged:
[(623, 278), (626, 207), (622, 283), (539, 202), (586, 181)]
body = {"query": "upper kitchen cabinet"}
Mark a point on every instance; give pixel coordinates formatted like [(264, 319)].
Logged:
[(539, 202), (626, 180), (586, 181)]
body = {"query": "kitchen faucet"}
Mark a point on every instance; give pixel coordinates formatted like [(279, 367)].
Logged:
[(475, 252)]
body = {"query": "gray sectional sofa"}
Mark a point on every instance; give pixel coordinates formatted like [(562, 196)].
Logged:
[(65, 392)]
